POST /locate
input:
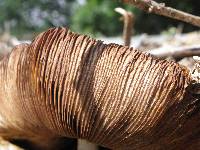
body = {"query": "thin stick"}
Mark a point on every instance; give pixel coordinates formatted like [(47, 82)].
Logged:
[(128, 25), (176, 52), (151, 6)]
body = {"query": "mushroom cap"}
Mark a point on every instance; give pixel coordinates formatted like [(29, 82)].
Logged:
[(68, 85)]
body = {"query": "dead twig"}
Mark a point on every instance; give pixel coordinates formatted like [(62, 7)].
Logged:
[(128, 25), (151, 6), (176, 52)]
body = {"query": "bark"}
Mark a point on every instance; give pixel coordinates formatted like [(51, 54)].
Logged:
[(69, 85)]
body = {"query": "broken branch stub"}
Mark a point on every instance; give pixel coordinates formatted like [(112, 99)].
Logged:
[(128, 19)]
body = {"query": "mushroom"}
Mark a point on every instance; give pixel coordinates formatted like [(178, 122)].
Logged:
[(68, 85)]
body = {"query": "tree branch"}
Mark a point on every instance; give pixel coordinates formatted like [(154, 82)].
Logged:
[(151, 6), (176, 52)]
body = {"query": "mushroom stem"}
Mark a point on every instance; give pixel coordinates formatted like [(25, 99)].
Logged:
[(86, 145)]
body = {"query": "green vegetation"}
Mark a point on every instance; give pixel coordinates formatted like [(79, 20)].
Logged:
[(95, 17), (98, 17), (25, 16)]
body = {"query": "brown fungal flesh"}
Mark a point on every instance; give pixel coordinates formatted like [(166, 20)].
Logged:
[(69, 85)]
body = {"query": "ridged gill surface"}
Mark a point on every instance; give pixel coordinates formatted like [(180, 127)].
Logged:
[(65, 84)]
